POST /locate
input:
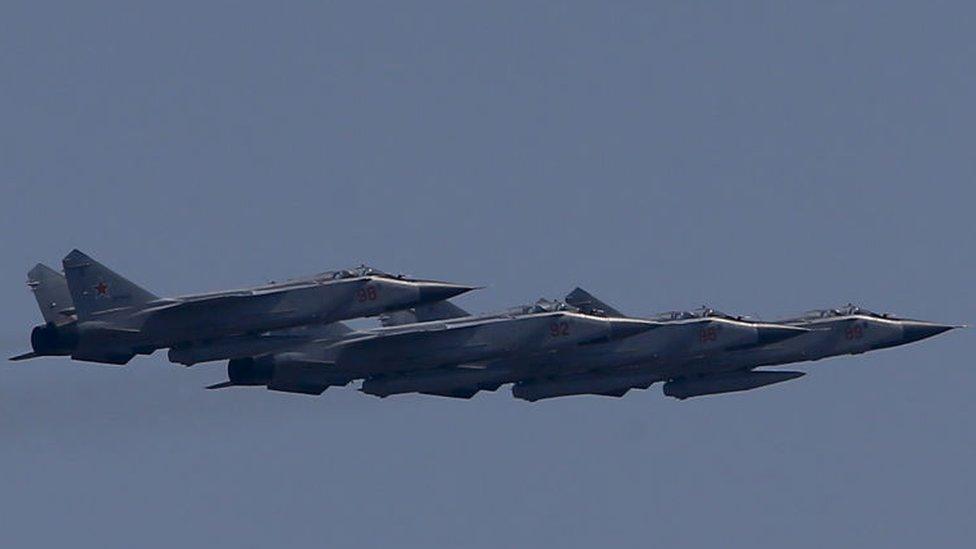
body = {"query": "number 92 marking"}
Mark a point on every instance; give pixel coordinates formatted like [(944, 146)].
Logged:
[(707, 334), (559, 329)]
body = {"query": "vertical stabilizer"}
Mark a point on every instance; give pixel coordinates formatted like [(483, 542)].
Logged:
[(588, 303), (95, 288), (51, 291)]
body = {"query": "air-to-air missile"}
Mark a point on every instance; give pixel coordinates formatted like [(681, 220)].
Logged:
[(397, 355), (93, 314)]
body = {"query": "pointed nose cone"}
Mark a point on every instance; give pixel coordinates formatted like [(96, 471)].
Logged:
[(439, 291), (774, 334), (622, 328), (917, 331)]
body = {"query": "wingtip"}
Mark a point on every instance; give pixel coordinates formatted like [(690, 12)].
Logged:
[(24, 356), (221, 385), (431, 292)]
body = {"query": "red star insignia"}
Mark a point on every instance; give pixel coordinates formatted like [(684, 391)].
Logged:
[(102, 288)]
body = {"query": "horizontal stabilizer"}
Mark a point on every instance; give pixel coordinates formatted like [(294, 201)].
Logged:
[(24, 356), (222, 385)]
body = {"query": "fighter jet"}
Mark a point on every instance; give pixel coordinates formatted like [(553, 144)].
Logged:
[(103, 317), (453, 339), (848, 330)]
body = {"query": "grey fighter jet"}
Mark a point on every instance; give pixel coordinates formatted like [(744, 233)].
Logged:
[(103, 317), (386, 357), (848, 330)]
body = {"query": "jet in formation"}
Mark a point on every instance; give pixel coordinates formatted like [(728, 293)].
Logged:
[(289, 337), (463, 344), (93, 314)]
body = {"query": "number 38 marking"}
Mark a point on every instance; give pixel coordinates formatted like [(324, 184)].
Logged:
[(559, 329), (708, 334), (854, 332), (366, 294)]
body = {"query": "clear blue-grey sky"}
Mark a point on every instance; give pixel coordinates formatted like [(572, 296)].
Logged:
[(761, 157)]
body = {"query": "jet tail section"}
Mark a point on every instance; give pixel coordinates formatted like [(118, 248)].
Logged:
[(51, 292), (588, 303), (440, 310), (96, 288)]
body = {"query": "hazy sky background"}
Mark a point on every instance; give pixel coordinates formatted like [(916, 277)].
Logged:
[(763, 158)]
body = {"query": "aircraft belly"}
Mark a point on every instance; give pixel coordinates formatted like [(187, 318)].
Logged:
[(393, 360)]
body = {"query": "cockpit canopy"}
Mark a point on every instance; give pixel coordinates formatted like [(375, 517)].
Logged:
[(358, 272), (847, 310), (545, 306), (701, 312)]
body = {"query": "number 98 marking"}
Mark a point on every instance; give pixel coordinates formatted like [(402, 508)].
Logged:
[(366, 294)]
